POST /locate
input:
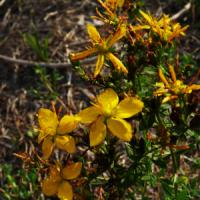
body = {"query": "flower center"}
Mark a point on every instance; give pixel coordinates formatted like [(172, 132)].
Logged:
[(103, 47), (178, 86)]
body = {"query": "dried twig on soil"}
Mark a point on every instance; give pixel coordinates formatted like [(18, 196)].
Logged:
[(2, 2), (43, 64), (186, 8)]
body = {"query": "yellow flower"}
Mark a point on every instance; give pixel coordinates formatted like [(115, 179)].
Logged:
[(164, 27), (171, 88), (108, 113), (110, 15), (54, 132), (102, 47), (57, 181), (114, 4)]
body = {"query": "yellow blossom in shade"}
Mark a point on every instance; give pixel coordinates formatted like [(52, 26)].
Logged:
[(171, 88), (107, 113), (54, 133), (57, 183), (164, 27), (102, 47)]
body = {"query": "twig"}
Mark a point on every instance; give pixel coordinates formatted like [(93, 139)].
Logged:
[(43, 64), (186, 8), (2, 2)]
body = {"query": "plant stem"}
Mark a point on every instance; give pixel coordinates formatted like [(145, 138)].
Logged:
[(175, 167), (174, 161)]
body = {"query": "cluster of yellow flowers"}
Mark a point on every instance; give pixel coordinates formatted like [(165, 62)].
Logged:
[(111, 7), (57, 181), (164, 27), (172, 88), (106, 114)]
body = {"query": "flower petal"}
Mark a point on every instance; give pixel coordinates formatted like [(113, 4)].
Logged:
[(169, 98), (111, 4), (139, 27), (99, 65), (47, 147), (67, 124), (120, 3), (117, 63), (49, 187), (65, 191), (120, 128), (93, 33), (108, 100), (148, 17), (172, 72), (41, 136), (97, 132), (162, 77), (161, 89), (72, 171), (48, 121), (107, 6), (128, 107), (66, 143), (88, 115), (83, 54), (192, 87), (54, 173), (120, 33)]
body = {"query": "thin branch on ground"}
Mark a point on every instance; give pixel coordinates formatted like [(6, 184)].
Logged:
[(43, 64), (185, 9)]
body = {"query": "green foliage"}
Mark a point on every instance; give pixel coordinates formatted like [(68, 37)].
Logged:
[(18, 183), (49, 78), (41, 48)]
